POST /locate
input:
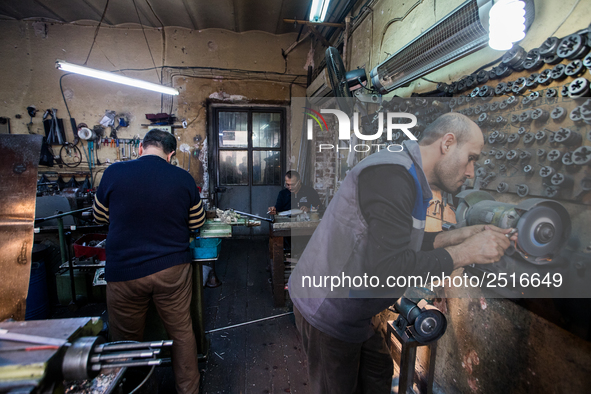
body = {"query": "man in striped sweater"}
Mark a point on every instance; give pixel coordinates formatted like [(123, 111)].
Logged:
[(151, 208)]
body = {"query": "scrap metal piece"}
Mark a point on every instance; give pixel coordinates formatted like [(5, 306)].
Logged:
[(18, 187)]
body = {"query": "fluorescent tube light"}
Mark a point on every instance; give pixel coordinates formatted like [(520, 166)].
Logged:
[(318, 10), (107, 76)]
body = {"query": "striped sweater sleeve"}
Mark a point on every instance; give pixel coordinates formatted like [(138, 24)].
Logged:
[(196, 216), (100, 211)]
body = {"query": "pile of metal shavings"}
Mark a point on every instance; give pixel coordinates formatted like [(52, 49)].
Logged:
[(228, 216), (98, 385)]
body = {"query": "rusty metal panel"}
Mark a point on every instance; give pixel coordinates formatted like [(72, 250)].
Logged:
[(19, 159)]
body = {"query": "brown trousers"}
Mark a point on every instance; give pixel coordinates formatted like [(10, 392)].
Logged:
[(170, 289), (338, 367)]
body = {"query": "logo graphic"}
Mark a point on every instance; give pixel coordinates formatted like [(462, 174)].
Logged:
[(311, 113), (344, 123)]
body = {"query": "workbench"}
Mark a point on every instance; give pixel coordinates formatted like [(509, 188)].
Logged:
[(284, 227)]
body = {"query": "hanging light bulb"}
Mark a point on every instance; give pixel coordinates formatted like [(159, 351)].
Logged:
[(506, 24)]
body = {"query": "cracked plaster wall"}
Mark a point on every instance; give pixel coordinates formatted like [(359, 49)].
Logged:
[(29, 51)]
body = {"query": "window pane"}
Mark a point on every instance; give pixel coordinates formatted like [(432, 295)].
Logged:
[(233, 129), (266, 130), (234, 167), (266, 168)]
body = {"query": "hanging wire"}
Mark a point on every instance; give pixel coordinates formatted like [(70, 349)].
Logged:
[(97, 31), (147, 43), (565, 18)]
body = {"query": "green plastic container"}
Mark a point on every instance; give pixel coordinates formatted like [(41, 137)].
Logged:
[(206, 248)]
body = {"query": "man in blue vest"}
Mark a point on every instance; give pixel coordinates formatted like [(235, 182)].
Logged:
[(375, 225)]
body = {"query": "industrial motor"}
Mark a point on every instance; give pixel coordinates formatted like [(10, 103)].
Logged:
[(543, 225)]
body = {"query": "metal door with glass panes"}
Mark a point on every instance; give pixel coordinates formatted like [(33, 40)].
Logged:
[(250, 160)]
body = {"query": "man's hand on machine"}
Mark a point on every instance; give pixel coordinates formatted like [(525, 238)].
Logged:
[(457, 236), (486, 245)]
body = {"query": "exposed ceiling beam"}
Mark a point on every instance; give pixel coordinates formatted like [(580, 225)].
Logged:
[(296, 43), (319, 36), (236, 22), (98, 12), (46, 8), (191, 16), (308, 23), (278, 26)]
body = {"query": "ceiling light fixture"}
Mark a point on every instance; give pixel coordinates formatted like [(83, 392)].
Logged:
[(465, 30), (318, 10), (107, 76), (506, 24)]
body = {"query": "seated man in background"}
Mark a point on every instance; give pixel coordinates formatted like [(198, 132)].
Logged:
[(295, 195)]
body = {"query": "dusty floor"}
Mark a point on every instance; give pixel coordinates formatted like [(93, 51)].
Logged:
[(263, 357)]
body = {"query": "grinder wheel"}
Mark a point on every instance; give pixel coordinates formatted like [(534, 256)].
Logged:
[(540, 232)]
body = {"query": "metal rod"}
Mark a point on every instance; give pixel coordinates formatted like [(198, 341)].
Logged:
[(253, 216), (249, 322), (123, 355), (61, 215), (64, 256), (303, 22), (121, 364), (12, 336), (111, 347)]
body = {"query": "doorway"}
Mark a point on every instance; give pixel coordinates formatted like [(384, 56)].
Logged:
[(248, 160)]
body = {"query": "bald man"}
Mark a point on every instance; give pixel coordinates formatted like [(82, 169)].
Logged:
[(375, 225)]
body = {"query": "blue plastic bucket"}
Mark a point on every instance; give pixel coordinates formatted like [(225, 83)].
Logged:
[(37, 303), (206, 248)]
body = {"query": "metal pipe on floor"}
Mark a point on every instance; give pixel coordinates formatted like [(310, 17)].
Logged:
[(249, 322)]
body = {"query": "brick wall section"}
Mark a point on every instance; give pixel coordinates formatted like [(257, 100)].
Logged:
[(324, 165)]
